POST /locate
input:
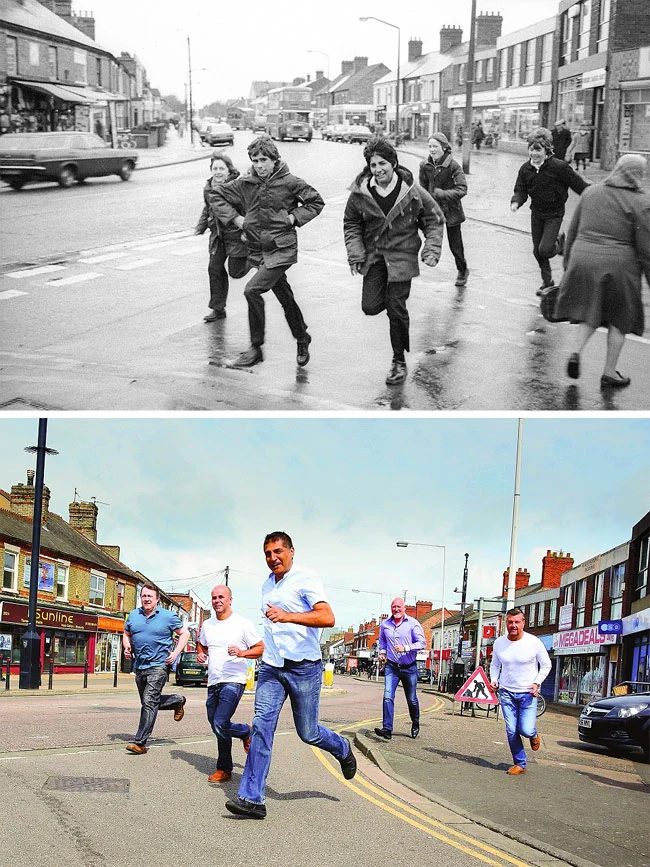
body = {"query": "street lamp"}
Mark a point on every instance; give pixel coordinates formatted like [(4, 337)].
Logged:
[(395, 27), (327, 103), (381, 605), (442, 602)]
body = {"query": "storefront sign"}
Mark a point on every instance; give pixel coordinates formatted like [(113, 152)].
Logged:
[(594, 78), (110, 624), (585, 640), (566, 617), (639, 622), (610, 627), (53, 618)]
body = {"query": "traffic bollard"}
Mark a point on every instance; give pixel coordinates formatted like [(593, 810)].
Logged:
[(115, 676), (86, 674), (8, 677), (51, 674)]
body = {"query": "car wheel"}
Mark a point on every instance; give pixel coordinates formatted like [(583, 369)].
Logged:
[(67, 176), (126, 170), (16, 183)]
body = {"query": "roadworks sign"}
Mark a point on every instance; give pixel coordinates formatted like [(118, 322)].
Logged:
[(477, 688)]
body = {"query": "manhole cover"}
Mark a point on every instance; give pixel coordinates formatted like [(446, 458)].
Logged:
[(86, 784)]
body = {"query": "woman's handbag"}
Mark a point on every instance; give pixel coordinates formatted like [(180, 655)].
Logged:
[(547, 303)]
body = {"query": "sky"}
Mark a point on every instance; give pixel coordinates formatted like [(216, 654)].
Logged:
[(185, 497), (233, 45)]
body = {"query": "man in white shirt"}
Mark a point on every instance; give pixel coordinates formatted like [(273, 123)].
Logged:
[(295, 609), (519, 666), (226, 641)]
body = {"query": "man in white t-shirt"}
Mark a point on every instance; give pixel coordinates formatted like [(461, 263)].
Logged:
[(519, 666), (227, 640), (295, 609)]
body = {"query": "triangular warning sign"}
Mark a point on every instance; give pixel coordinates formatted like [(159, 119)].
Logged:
[(477, 687)]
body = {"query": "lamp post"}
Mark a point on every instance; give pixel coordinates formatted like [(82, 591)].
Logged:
[(395, 27), (442, 602), (327, 104), (469, 91), (381, 605)]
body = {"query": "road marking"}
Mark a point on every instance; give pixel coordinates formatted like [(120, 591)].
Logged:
[(34, 272), (78, 278), (139, 263), (153, 246), (11, 293), (188, 251), (106, 257)]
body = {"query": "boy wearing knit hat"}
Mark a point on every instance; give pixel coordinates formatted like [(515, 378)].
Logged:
[(546, 180), (444, 179)]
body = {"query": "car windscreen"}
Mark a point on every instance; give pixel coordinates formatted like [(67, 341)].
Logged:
[(189, 658)]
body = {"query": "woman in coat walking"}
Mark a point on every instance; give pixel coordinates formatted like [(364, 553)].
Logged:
[(442, 177), (383, 216), (225, 240), (579, 148), (607, 249)]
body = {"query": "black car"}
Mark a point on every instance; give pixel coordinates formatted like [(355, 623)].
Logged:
[(190, 670), (617, 721), (424, 675)]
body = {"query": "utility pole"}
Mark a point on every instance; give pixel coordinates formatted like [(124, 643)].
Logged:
[(512, 569), (189, 70), (469, 90), (30, 642), (461, 625), (226, 573)]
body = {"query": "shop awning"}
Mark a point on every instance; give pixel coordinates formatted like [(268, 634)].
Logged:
[(71, 93)]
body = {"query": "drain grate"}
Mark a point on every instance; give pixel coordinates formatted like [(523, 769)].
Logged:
[(87, 784)]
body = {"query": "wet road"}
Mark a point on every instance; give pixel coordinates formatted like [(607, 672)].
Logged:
[(115, 320)]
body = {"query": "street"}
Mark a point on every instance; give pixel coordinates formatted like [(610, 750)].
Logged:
[(443, 797), (103, 289)]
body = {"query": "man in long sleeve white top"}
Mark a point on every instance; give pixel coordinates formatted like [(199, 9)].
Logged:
[(519, 666)]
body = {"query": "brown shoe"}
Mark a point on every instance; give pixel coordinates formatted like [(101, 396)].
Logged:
[(247, 744), (179, 713), (136, 749), (219, 777), (535, 742), (515, 770)]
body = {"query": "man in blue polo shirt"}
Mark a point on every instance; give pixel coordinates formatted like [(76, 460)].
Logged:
[(295, 609), (148, 639), (400, 638)]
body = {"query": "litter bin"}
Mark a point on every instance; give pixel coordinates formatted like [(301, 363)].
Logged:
[(328, 674)]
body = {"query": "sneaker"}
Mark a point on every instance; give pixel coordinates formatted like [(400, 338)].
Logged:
[(219, 777), (302, 353), (246, 809), (573, 366), (249, 357), (215, 314), (247, 744), (179, 710), (618, 381), (386, 734), (136, 749), (349, 764), (461, 278), (397, 373), (515, 770), (535, 742)]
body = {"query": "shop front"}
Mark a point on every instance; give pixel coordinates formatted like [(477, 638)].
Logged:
[(583, 664), (580, 102), (485, 108), (67, 637), (522, 110), (108, 645), (634, 129), (636, 645)]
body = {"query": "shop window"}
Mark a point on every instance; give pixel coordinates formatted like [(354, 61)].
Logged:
[(584, 29), (531, 59), (581, 596), (616, 591), (592, 678), (11, 44), (547, 57), (552, 613), (61, 581), (34, 56), (635, 120), (597, 608), (52, 61), (641, 589), (641, 659), (10, 572), (603, 25), (97, 589), (69, 648)]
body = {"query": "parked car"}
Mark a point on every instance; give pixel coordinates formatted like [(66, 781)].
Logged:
[(65, 157), (190, 670), (218, 134), (357, 132), (617, 721), (424, 675), (334, 131)]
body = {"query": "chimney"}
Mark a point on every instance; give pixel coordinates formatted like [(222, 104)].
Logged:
[(83, 518), (450, 37), (21, 499), (319, 74), (422, 608), (347, 67), (308, 78), (554, 565), (522, 579), (488, 28), (415, 49), (360, 63), (112, 551)]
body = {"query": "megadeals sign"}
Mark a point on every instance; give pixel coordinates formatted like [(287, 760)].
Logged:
[(585, 640)]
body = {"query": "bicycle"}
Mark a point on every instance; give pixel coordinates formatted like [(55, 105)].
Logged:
[(541, 706), (125, 140)]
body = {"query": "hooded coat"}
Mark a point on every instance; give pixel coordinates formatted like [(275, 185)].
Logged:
[(229, 233), (446, 182), (606, 250), (265, 204), (370, 236)]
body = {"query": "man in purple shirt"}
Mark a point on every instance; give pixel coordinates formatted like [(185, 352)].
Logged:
[(400, 638)]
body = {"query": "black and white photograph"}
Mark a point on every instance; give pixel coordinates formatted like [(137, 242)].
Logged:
[(351, 208)]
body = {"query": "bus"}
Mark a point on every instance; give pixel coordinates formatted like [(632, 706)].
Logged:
[(240, 117), (287, 114)]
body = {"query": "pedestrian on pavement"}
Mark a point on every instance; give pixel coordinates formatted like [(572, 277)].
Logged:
[(580, 147), (400, 639), (518, 668), (561, 138), (444, 179), (295, 609), (226, 641), (225, 240), (478, 134), (267, 204), (383, 217), (607, 250), (547, 181), (148, 639)]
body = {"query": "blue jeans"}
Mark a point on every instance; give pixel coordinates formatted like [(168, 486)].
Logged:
[(408, 677), (301, 681), (520, 716), (220, 705), (150, 683)]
